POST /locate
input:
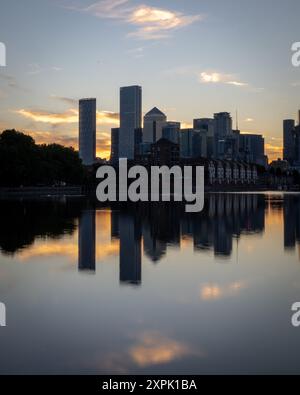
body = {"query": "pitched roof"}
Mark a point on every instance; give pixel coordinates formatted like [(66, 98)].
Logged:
[(155, 111)]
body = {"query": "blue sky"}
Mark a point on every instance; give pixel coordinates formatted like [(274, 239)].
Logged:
[(192, 58)]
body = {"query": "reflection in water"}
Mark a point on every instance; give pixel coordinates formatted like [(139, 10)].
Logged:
[(193, 313), (156, 226), (87, 241), (130, 248)]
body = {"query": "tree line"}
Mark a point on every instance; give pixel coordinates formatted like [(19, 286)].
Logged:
[(25, 163)]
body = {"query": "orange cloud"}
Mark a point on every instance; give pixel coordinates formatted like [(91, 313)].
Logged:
[(154, 349), (214, 292), (155, 22), (43, 137), (67, 117), (151, 22)]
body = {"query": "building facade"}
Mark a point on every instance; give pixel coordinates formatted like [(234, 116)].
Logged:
[(87, 131), (171, 131), (130, 119), (114, 153), (154, 121), (289, 140)]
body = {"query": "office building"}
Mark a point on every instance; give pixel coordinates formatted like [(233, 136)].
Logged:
[(252, 148), (222, 124), (138, 140), (154, 121), (207, 124), (289, 140), (171, 131), (87, 131), (165, 153), (114, 154), (186, 143), (130, 119)]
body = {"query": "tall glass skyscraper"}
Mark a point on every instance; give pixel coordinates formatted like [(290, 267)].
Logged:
[(130, 119), (87, 131), (289, 140)]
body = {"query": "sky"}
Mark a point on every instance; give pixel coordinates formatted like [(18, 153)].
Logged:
[(192, 58)]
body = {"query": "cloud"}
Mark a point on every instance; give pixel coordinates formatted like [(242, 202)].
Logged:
[(214, 291), (35, 68), (156, 23), (109, 9), (68, 117), (151, 23), (67, 100), (70, 139), (11, 82), (155, 349), (215, 78)]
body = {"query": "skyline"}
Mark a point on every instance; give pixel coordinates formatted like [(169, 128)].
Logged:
[(193, 59)]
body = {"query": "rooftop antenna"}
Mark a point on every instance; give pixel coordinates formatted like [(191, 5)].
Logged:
[(237, 120)]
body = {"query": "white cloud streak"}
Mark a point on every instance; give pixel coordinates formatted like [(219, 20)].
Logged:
[(219, 78), (151, 23)]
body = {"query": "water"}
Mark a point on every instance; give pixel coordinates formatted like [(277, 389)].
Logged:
[(150, 289)]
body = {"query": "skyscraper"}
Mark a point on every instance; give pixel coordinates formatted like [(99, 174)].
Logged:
[(252, 148), (223, 129), (207, 125), (87, 131), (289, 149), (130, 119), (186, 143), (114, 152), (86, 241), (171, 131), (223, 124), (154, 121), (130, 248)]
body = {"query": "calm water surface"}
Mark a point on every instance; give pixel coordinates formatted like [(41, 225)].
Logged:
[(150, 289)]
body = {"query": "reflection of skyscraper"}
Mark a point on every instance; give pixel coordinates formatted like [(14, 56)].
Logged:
[(87, 131), (154, 248), (130, 249), (130, 119), (114, 223), (114, 154), (290, 209), (87, 241), (289, 149)]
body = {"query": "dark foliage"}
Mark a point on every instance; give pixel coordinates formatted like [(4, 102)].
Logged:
[(22, 162)]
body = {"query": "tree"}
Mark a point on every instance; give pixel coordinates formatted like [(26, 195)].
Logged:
[(23, 162)]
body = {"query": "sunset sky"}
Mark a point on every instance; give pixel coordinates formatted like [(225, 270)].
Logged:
[(192, 58)]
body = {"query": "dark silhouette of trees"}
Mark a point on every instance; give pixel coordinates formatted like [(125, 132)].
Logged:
[(24, 163)]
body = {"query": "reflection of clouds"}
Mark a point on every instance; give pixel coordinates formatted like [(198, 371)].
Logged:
[(214, 291), (153, 349), (69, 250), (47, 248)]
